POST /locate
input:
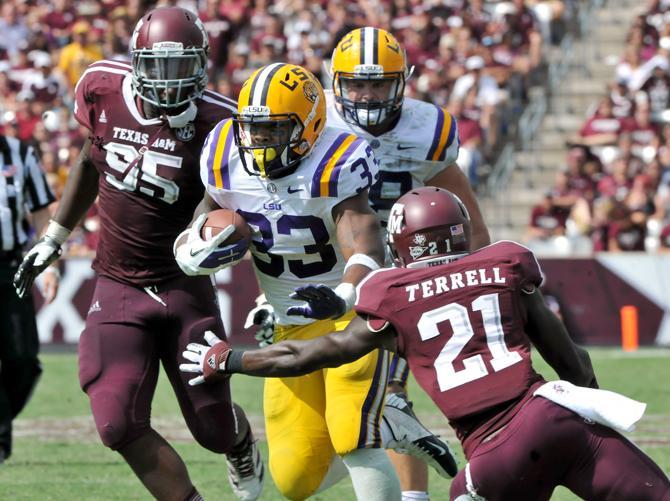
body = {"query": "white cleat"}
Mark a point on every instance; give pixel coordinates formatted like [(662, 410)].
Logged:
[(403, 432), (246, 470)]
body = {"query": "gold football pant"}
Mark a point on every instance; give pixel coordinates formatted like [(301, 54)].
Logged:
[(310, 418)]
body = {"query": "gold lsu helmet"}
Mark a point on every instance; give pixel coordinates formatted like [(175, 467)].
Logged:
[(281, 113), (369, 54)]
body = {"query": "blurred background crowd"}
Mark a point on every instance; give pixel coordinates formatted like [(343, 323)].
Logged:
[(479, 59), (614, 193)]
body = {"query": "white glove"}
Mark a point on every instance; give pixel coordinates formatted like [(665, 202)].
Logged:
[(204, 257), (209, 361), (43, 253), (263, 315)]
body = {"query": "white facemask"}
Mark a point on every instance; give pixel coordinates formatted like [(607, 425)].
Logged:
[(372, 117)]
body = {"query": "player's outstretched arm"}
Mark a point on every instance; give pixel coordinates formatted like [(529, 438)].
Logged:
[(547, 332), (287, 358), (79, 193), (453, 179), (359, 237)]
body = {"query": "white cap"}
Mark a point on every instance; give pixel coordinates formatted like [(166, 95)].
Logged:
[(474, 63)]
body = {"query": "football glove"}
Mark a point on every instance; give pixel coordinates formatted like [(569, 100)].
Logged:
[(209, 361), (204, 257), (263, 316), (322, 301), (43, 253)]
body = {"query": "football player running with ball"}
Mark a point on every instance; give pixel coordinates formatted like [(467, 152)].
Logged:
[(416, 144), (465, 322), (147, 123), (303, 188)]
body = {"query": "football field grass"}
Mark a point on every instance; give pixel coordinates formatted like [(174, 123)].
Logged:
[(57, 455)]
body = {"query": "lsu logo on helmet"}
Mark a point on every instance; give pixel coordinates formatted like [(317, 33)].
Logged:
[(281, 115), (366, 54)]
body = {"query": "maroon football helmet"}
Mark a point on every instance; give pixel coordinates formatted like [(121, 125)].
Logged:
[(169, 49), (428, 225)]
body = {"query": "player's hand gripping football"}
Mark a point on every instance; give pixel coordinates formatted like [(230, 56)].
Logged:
[(43, 253), (322, 302), (263, 316), (197, 256), (209, 361)]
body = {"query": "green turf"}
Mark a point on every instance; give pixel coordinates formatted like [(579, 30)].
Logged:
[(56, 455)]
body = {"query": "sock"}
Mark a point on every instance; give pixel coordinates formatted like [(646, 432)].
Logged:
[(372, 475), (415, 496), (194, 496), (336, 472)]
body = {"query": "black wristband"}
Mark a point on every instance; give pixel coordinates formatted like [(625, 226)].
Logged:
[(234, 361)]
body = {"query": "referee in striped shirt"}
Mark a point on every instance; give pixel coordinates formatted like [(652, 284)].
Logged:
[(23, 188)]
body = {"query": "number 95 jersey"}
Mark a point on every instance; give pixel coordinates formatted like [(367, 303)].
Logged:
[(149, 183), (294, 234)]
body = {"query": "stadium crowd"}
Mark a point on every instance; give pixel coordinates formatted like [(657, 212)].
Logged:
[(614, 193), (476, 58)]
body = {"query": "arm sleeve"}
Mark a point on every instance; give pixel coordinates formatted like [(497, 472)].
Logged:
[(83, 100), (531, 273)]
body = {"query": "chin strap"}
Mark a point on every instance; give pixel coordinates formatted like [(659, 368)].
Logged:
[(184, 118)]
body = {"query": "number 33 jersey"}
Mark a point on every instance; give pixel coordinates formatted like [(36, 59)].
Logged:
[(422, 144), (294, 234), (149, 181)]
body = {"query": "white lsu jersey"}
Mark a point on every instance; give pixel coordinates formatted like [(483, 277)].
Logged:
[(294, 239), (422, 144)]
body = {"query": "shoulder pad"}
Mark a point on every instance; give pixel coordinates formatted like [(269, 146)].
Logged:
[(346, 166), (215, 155), (213, 107), (371, 292)]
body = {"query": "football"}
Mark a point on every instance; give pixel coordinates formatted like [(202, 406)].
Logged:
[(219, 219)]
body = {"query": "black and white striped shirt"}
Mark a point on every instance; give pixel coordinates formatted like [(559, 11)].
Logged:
[(23, 187)]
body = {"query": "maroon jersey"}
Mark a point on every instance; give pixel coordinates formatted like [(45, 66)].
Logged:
[(149, 173), (461, 328)]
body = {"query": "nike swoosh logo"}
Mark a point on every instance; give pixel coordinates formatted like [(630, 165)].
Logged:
[(193, 254), (434, 446), (291, 190), (401, 147)]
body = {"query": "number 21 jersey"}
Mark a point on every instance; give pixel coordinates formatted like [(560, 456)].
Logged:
[(461, 328)]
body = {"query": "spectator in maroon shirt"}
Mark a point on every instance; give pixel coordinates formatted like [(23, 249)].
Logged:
[(642, 131), (624, 233), (470, 136), (577, 179), (603, 128), (546, 220), (664, 239), (657, 88), (527, 37), (618, 183)]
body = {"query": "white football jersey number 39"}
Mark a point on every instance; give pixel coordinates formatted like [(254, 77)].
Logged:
[(474, 367), (119, 156)]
